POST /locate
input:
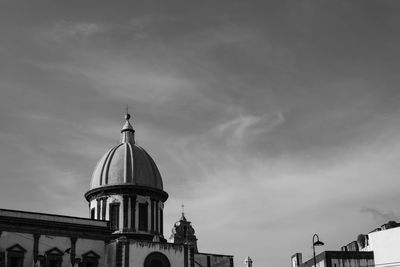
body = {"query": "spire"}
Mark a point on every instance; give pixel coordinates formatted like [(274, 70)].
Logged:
[(127, 131), (183, 213)]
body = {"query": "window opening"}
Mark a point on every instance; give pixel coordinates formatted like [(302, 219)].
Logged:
[(143, 216), (114, 216)]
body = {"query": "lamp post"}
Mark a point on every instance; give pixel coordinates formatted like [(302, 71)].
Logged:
[(316, 243)]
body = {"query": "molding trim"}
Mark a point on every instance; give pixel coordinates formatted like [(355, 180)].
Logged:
[(45, 227), (158, 257), (128, 190), (16, 248)]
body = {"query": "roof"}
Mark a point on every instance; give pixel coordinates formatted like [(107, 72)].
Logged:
[(126, 164)]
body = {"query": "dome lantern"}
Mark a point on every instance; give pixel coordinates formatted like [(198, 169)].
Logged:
[(127, 131)]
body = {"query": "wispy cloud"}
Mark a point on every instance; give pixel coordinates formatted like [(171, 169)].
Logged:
[(381, 216), (244, 127), (67, 31)]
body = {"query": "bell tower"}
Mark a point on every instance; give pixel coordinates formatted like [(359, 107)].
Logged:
[(183, 232)]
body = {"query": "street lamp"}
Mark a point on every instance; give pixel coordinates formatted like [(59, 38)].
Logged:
[(316, 243)]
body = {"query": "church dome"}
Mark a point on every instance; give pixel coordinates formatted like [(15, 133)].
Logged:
[(126, 164)]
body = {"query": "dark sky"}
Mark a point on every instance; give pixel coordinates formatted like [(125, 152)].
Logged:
[(269, 120)]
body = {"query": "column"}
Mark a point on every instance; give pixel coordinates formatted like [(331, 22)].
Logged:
[(157, 222), (125, 211), (148, 215), (152, 215), (103, 208), (161, 220), (137, 215), (133, 213), (98, 209), (35, 247), (73, 250), (185, 256)]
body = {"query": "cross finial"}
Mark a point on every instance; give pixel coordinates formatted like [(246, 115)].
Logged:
[(183, 213), (127, 115)]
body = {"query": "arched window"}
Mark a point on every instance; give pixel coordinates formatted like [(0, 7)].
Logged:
[(15, 256), (156, 259)]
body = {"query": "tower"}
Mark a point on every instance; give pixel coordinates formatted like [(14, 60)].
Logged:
[(248, 262), (127, 189), (183, 233)]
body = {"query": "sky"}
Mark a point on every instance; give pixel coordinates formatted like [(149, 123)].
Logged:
[(269, 120)]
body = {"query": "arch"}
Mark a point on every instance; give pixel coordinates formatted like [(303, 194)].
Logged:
[(156, 259)]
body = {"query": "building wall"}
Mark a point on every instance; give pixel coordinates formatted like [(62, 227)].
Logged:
[(320, 263), (138, 251), (351, 262), (85, 245), (385, 245), (8, 239), (47, 242), (211, 260), (340, 259)]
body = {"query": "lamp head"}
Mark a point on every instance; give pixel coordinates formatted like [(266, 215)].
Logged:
[(318, 243)]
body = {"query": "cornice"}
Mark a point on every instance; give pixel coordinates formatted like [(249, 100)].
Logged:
[(126, 189), (45, 227)]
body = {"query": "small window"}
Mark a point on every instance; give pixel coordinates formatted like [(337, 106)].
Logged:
[(114, 216), (2, 259), (143, 216), (185, 231), (54, 262), (90, 259), (92, 213), (54, 257), (15, 261), (15, 256), (126, 203)]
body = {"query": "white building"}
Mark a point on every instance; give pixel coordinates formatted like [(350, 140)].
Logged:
[(384, 242)]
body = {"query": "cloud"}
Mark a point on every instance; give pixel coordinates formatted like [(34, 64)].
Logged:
[(237, 130), (63, 31), (379, 215)]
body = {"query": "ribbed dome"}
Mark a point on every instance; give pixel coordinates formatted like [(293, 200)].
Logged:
[(126, 163)]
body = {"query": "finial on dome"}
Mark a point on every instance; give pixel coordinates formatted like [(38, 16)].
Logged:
[(128, 133), (127, 115)]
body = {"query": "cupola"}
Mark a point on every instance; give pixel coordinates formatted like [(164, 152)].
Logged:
[(127, 189)]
